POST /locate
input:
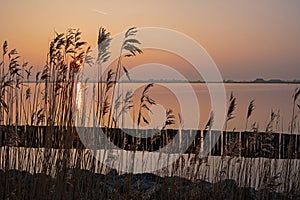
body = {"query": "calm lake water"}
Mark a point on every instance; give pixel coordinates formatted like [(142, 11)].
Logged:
[(268, 98), (177, 96)]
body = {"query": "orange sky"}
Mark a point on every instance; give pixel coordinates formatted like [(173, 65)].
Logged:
[(246, 39)]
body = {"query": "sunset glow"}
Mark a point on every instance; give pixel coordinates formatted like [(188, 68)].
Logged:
[(246, 39)]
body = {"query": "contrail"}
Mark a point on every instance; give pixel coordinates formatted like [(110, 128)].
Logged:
[(98, 11)]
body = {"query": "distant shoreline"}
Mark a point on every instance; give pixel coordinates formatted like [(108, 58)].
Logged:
[(183, 81)]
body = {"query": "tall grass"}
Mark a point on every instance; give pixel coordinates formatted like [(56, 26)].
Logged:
[(130, 48), (231, 108), (249, 112), (294, 116)]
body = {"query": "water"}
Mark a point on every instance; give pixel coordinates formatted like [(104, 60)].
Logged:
[(178, 98), (267, 97)]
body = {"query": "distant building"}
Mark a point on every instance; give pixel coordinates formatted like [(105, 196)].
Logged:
[(275, 81), (259, 80)]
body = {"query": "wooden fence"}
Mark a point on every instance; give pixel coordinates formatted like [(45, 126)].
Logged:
[(244, 144)]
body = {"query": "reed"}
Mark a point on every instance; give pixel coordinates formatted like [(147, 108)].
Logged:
[(129, 48), (231, 108), (295, 97), (145, 101), (210, 122), (249, 112)]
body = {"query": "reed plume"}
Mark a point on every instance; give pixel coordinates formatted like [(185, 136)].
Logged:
[(170, 118), (145, 101), (269, 127), (210, 122), (249, 112), (102, 57), (231, 109)]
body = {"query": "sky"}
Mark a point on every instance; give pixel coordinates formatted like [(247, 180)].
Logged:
[(246, 39)]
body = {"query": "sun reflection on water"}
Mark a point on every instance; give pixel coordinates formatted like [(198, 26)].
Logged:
[(79, 95)]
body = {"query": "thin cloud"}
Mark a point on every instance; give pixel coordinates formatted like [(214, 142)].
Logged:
[(98, 11)]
